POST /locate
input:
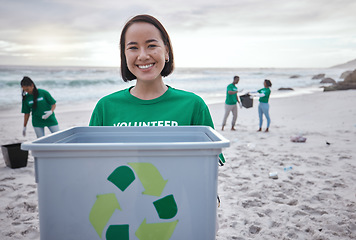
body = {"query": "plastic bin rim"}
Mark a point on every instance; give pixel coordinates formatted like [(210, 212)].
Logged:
[(218, 142)]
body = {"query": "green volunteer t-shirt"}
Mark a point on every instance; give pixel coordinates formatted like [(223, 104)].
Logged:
[(173, 108), (44, 103), (231, 99), (267, 92)]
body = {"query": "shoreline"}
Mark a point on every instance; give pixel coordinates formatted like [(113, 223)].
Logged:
[(209, 98)]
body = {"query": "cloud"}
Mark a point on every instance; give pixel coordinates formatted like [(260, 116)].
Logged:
[(184, 15), (270, 17), (78, 26)]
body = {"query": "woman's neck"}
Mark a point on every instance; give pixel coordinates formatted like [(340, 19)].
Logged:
[(148, 90)]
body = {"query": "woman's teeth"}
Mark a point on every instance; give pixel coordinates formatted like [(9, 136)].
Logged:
[(145, 66)]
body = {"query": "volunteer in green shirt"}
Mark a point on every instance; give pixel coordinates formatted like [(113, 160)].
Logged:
[(147, 56), (230, 103), (41, 104), (263, 107)]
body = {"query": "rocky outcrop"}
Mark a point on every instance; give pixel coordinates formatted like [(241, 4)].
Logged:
[(295, 76), (345, 74), (351, 78), (328, 80), (319, 76), (348, 83)]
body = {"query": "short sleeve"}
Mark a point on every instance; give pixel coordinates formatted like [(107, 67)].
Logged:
[(25, 108), (49, 98)]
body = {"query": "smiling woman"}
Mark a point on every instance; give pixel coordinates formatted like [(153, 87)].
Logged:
[(147, 56)]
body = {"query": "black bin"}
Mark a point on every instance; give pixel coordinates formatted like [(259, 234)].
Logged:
[(246, 101), (13, 155)]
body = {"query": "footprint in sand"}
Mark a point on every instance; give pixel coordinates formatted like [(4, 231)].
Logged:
[(252, 203), (312, 211), (254, 229)]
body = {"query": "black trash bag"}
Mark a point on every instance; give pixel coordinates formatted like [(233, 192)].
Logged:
[(246, 100)]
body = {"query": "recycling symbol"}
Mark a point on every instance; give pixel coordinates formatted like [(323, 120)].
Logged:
[(154, 184)]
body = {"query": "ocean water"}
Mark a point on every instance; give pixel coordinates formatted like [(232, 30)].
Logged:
[(80, 84)]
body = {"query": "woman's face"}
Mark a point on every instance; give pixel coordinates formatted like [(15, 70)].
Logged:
[(28, 89), (145, 51)]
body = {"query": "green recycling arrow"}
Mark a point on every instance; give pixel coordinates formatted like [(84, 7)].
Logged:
[(102, 210), (122, 177), (154, 231), (150, 178), (118, 232), (166, 207)]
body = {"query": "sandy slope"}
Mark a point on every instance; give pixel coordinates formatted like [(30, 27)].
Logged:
[(314, 200)]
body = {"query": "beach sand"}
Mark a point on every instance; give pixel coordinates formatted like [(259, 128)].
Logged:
[(315, 199)]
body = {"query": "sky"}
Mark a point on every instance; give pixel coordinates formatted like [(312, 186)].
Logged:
[(204, 33)]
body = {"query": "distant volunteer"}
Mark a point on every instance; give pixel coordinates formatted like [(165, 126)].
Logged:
[(263, 107), (41, 104), (230, 103)]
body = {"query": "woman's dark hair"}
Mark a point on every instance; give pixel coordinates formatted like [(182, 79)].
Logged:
[(268, 83), (168, 67), (26, 82)]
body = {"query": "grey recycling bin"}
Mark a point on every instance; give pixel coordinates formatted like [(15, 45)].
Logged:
[(128, 182)]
